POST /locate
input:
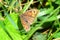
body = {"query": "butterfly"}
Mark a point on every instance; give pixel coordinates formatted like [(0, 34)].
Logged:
[(28, 18)]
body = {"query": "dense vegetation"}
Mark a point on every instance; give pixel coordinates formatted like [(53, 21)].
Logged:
[(46, 26)]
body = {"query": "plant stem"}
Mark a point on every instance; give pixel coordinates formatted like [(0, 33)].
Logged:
[(26, 6)]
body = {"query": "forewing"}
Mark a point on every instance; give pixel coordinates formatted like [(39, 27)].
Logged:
[(31, 13), (29, 20), (24, 23), (28, 17)]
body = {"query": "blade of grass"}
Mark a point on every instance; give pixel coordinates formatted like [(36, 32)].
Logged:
[(11, 20), (58, 29), (52, 18), (26, 6), (3, 32), (11, 30), (11, 5), (50, 38)]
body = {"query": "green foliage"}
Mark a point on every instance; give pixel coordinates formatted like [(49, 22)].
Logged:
[(57, 2), (48, 18), (39, 36), (9, 21), (11, 26), (57, 35), (3, 34)]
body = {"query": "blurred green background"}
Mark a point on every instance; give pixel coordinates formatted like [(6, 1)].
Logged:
[(46, 27)]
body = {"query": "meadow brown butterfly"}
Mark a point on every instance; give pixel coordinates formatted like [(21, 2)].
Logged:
[(28, 17)]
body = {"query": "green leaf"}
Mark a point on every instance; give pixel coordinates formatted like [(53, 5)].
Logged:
[(57, 2), (57, 35), (11, 19), (11, 24), (3, 34)]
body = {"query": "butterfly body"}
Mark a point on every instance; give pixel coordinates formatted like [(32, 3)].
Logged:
[(28, 18)]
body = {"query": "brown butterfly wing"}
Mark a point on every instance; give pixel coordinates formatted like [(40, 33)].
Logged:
[(31, 13), (27, 18), (24, 23)]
